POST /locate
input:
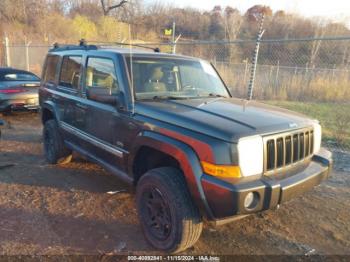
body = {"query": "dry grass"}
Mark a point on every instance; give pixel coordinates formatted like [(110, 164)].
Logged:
[(317, 86), (334, 118)]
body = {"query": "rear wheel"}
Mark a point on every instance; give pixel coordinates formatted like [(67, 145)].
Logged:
[(170, 220), (55, 150)]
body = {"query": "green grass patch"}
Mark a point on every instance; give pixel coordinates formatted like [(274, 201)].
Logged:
[(334, 118)]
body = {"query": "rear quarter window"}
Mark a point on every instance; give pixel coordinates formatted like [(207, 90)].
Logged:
[(49, 75)]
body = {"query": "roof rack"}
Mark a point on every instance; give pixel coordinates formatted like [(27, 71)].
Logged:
[(154, 49), (82, 46)]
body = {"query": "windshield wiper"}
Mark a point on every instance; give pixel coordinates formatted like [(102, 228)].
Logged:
[(216, 95), (169, 97)]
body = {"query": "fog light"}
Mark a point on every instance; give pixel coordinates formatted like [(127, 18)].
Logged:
[(251, 200)]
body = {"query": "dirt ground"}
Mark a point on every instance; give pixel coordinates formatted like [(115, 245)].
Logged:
[(66, 209)]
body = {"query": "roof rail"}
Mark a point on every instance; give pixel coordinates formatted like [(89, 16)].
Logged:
[(82, 46), (154, 49)]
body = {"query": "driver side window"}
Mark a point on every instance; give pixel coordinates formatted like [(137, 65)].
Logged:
[(101, 75)]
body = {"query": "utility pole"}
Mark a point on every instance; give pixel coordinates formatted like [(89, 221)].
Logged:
[(255, 58), (173, 39)]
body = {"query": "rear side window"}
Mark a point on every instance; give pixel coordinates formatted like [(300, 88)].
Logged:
[(70, 72), (50, 70), (100, 73)]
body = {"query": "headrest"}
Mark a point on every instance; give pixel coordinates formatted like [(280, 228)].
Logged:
[(157, 74)]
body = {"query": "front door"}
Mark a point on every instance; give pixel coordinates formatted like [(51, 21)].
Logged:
[(104, 122)]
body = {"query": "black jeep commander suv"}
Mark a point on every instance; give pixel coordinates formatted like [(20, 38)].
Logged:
[(168, 125)]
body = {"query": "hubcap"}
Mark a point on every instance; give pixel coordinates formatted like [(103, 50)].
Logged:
[(157, 214)]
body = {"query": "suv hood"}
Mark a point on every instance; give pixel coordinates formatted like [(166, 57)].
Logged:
[(225, 118)]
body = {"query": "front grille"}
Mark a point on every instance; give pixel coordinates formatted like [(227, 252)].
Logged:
[(283, 150)]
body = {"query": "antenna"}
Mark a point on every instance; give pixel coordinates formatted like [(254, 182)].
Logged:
[(131, 74), (82, 42)]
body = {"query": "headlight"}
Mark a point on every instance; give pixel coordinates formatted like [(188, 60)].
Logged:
[(317, 137), (251, 155)]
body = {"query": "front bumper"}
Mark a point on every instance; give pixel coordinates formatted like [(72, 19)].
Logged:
[(227, 199)]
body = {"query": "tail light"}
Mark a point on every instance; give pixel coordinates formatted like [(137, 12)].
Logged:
[(12, 91)]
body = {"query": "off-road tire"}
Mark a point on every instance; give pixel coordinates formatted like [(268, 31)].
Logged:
[(55, 150), (186, 222)]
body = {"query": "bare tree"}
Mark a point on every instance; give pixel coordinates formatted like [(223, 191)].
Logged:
[(316, 45), (233, 23), (107, 9)]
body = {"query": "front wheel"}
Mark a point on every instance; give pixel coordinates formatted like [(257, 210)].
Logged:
[(169, 219)]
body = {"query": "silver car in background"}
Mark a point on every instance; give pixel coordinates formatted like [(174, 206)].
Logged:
[(18, 90)]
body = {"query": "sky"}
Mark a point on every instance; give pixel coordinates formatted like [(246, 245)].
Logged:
[(336, 10)]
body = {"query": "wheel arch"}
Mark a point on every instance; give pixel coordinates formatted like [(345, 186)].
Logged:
[(182, 154), (48, 111)]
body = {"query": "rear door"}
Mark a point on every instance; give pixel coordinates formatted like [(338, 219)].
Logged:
[(47, 91), (73, 116)]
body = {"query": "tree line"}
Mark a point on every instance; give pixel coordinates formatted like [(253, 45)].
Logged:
[(66, 21)]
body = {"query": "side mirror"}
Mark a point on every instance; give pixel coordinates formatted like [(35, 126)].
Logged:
[(104, 95)]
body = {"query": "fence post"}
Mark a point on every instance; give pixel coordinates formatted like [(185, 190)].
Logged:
[(245, 69), (255, 58), (27, 53), (333, 72), (271, 86), (277, 75), (7, 52)]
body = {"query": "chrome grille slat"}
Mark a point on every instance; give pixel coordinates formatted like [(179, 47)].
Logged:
[(301, 146), (286, 149), (307, 143), (271, 154), (312, 141), (289, 150), (279, 152), (295, 148)]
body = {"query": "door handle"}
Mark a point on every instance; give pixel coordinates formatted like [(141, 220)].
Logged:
[(81, 106)]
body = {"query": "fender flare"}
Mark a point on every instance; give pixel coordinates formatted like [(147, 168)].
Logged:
[(187, 159), (49, 105)]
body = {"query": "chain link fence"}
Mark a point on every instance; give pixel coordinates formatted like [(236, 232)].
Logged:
[(315, 69), (300, 69), (26, 57)]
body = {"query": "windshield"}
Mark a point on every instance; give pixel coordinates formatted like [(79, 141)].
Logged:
[(171, 78), (19, 77)]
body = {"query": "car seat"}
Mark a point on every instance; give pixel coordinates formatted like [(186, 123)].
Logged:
[(154, 83)]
